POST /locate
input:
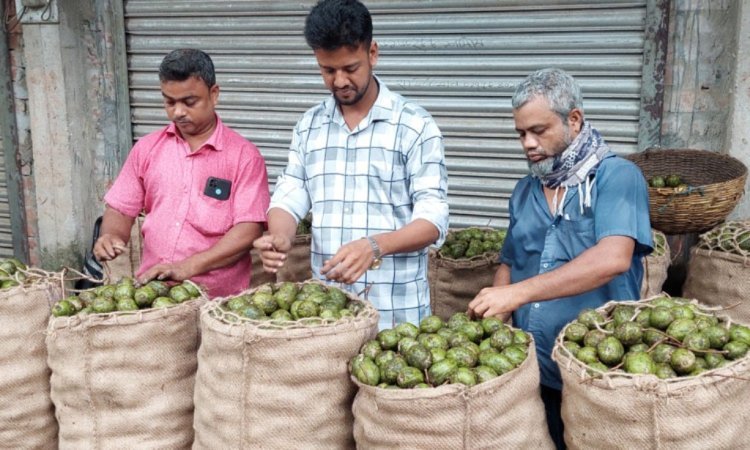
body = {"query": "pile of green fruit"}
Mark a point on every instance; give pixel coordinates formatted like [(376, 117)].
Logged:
[(660, 244), (669, 181), (459, 351), (125, 296), (471, 242), (290, 301), (10, 275), (666, 337), (732, 237)]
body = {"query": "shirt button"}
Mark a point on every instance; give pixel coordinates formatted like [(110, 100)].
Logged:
[(177, 224), (346, 209), (545, 265), (536, 305), (554, 226)]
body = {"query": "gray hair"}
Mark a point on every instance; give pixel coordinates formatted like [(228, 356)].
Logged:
[(560, 89)]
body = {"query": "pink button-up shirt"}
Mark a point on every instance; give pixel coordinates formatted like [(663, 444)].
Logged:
[(162, 177)]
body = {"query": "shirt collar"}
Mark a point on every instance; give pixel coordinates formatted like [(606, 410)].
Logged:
[(215, 142), (380, 110)]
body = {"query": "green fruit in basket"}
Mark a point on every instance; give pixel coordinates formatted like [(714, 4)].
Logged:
[(644, 318), (521, 337), (103, 305), (703, 322), (107, 290), (462, 356), (346, 313), (629, 333), (252, 312), (657, 182), (330, 314), (575, 332), (681, 328), (179, 294), (683, 312), (408, 377), (572, 347), (144, 296), (714, 360), (8, 267), (265, 302), (718, 336), (127, 304), (406, 343), (337, 295), (502, 338), (162, 302), (590, 318), (735, 349), (389, 371), (491, 324), (587, 355), (441, 371), (371, 349), (124, 290), (465, 376), (458, 339), (472, 330), (63, 308), (515, 354), (682, 361), (697, 341), (282, 315), (456, 320), (639, 363), (430, 324), (407, 329), (662, 353), (433, 340), (673, 180), (593, 338), (484, 373), (418, 356), (160, 288), (285, 297), (365, 370), (622, 314), (385, 356), (302, 309), (739, 333), (664, 371), (438, 354), (238, 303), (191, 288), (652, 336), (641, 347), (87, 296), (610, 351), (661, 317), (388, 339)]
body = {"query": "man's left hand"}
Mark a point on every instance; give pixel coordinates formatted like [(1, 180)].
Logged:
[(349, 263), (179, 271), (498, 301)]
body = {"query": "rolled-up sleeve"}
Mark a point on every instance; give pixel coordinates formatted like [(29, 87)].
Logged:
[(290, 193), (429, 179)]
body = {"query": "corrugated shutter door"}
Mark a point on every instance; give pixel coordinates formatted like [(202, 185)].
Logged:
[(461, 60), (6, 233)]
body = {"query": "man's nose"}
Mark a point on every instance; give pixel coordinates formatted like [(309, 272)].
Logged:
[(529, 142), (178, 110), (340, 80)]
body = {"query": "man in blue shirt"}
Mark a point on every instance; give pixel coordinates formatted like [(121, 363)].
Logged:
[(579, 226)]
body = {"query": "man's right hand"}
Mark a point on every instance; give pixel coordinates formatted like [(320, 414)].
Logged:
[(273, 250), (108, 247)]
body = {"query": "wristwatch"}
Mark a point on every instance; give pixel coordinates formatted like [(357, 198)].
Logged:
[(376, 254)]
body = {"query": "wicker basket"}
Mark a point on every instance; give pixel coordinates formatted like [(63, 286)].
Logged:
[(715, 184)]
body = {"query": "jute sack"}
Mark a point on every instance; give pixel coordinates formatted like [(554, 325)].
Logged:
[(125, 379), (506, 412), (27, 417), (128, 262), (624, 411), (655, 266), (274, 386), (297, 266), (719, 269), (455, 282)]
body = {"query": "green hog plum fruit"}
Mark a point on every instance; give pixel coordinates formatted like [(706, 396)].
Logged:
[(610, 351), (441, 371), (371, 349), (431, 324), (465, 376), (365, 370), (407, 329), (575, 332), (388, 339), (408, 377), (590, 318)]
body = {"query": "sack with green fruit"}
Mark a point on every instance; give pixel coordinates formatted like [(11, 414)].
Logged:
[(459, 383), (651, 373), (465, 264), (123, 360), (27, 416), (273, 367), (655, 266), (719, 269)]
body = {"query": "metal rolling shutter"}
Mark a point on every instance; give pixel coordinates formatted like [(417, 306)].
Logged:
[(459, 59), (6, 232)]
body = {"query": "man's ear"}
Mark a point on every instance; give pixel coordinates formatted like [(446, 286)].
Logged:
[(373, 53), (213, 93), (575, 120)]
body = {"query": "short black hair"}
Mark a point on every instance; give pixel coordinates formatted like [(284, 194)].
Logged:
[(183, 63), (333, 24)]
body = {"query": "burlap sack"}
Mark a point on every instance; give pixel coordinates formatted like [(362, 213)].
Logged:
[(506, 412), (623, 411), (128, 262), (655, 266), (125, 379), (27, 417), (720, 279), (261, 385), (455, 282), (297, 266)]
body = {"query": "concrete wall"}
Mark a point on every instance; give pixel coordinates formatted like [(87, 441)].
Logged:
[(707, 80)]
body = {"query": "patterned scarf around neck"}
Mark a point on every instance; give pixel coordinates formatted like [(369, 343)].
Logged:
[(573, 167)]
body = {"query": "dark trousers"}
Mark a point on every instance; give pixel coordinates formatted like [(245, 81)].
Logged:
[(552, 399)]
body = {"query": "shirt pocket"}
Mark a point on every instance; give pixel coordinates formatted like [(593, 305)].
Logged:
[(574, 237), (209, 216)]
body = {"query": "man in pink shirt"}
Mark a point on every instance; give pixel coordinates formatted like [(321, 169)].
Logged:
[(203, 187)]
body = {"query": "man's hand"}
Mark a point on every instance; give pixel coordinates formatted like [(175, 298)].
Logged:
[(497, 301), (108, 247), (273, 251), (176, 272), (349, 263)]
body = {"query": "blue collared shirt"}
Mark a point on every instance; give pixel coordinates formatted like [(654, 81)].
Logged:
[(537, 243), (385, 173)]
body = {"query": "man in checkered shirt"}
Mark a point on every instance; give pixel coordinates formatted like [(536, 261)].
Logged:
[(369, 165)]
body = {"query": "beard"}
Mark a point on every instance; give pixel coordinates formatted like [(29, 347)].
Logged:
[(545, 167), (358, 94)]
